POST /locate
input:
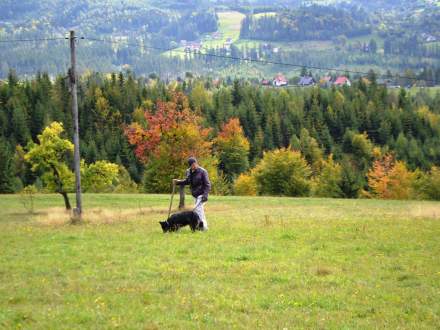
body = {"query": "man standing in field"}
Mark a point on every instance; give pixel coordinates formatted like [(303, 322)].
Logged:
[(197, 178)]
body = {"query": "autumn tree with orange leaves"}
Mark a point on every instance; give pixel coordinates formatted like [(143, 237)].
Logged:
[(169, 135), (233, 149), (390, 179)]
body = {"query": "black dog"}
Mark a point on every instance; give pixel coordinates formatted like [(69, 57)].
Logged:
[(182, 219)]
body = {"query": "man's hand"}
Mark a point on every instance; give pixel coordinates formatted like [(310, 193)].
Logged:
[(175, 181), (204, 199)]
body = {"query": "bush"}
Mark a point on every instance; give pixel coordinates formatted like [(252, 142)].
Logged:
[(245, 185), (220, 185), (124, 183), (99, 176), (328, 182), (283, 172), (427, 185), (27, 198)]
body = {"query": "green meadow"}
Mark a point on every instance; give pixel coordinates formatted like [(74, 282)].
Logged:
[(269, 263), (229, 27)]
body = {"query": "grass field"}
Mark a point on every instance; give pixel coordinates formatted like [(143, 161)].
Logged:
[(268, 14), (432, 91), (229, 27), (269, 263)]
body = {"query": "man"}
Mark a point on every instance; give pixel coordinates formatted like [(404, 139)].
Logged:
[(197, 178)]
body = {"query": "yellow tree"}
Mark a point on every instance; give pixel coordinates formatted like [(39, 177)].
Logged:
[(400, 181), (99, 176), (327, 182), (245, 185), (49, 158), (390, 179), (283, 172), (233, 149)]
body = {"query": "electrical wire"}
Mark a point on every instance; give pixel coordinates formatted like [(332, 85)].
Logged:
[(225, 57), (31, 40), (247, 59)]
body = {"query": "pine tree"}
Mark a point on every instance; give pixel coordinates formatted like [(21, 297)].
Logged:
[(237, 93), (19, 125), (351, 180), (6, 168), (268, 133), (256, 149)]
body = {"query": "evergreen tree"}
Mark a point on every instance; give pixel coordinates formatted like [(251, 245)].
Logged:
[(19, 125), (6, 168), (351, 181)]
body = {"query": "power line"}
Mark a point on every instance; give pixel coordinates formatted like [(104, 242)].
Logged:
[(31, 40), (20, 72), (226, 57), (247, 59)]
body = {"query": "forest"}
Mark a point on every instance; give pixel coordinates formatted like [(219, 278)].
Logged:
[(359, 141), (162, 24), (308, 23)]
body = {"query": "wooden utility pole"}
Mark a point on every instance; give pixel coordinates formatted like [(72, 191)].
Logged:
[(77, 212), (182, 197)]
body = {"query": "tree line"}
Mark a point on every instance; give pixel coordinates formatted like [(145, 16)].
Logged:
[(138, 132)]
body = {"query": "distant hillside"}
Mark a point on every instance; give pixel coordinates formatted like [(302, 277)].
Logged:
[(357, 34), (307, 23)]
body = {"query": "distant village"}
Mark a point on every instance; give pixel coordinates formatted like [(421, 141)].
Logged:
[(196, 46), (326, 81), (280, 80), (305, 81)]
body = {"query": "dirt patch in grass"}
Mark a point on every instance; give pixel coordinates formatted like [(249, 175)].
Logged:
[(323, 271), (426, 212), (59, 216)]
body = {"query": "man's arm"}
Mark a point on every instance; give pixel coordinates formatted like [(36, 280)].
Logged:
[(183, 182), (206, 186)]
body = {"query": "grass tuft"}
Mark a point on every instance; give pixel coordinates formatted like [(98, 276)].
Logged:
[(323, 271)]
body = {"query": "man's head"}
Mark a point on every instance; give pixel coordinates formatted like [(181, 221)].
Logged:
[(192, 162)]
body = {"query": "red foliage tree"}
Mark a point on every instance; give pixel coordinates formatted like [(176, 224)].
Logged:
[(170, 134), (162, 125)]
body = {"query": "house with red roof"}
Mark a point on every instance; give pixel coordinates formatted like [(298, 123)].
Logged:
[(280, 80), (265, 82), (193, 46), (342, 81)]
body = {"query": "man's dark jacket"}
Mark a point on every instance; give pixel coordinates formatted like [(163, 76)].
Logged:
[(198, 180)]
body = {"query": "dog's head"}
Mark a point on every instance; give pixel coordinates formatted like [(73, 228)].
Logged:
[(165, 226)]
